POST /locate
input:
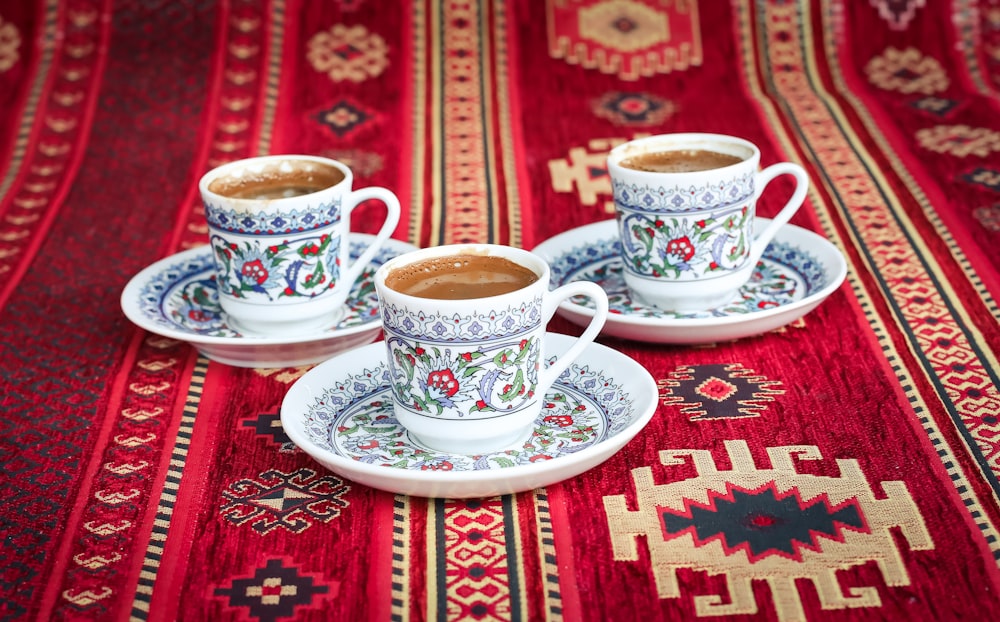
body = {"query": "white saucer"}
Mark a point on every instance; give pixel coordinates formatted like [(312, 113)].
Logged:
[(799, 270), (340, 413), (176, 297)]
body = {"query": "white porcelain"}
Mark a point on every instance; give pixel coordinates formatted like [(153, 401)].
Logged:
[(340, 413), (176, 297), (797, 271), (688, 239), (466, 374), (281, 267)]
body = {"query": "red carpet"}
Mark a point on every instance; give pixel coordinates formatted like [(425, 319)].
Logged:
[(844, 467)]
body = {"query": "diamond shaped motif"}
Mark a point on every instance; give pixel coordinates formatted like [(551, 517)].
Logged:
[(718, 391), (293, 501), (273, 592), (345, 117)]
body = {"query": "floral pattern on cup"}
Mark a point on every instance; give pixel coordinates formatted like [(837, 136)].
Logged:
[(301, 269), (499, 379), (268, 223), (193, 305), (498, 323), (657, 246), (355, 418), (664, 199), (785, 274)]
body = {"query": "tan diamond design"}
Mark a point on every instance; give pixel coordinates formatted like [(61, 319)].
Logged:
[(293, 501), (625, 25), (348, 53)]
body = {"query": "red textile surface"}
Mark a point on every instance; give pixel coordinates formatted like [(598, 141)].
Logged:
[(140, 479)]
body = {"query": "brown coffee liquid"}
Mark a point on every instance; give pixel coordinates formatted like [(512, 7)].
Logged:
[(680, 161), (277, 184), (460, 277)]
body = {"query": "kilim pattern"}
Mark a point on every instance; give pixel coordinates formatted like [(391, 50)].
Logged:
[(718, 391), (476, 579), (771, 524), (844, 466), (58, 125), (946, 342)]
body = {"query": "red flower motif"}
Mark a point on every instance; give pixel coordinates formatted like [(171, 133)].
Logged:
[(562, 421), (198, 315), (681, 247), (255, 271), (480, 404), (443, 380), (467, 357)]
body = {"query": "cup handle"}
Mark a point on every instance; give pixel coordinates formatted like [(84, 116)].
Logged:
[(350, 271), (593, 291), (762, 239)]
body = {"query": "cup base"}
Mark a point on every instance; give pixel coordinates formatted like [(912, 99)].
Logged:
[(689, 296), (465, 446), (685, 304), (275, 327)]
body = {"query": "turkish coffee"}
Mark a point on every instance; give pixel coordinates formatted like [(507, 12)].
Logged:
[(679, 161), (277, 183), (460, 277)]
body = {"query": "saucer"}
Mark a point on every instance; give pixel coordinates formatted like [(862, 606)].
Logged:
[(176, 297), (341, 414), (798, 270)]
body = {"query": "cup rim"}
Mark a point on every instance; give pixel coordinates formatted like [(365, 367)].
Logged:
[(682, 140), (540, 268), (223, 169)]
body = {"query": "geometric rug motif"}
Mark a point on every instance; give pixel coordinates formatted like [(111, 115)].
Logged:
[(274, 591), (983, 176), (269, 425), (633, 109), (345, 118), (772, 524), (293, 501), (718, 391), (627, 38), (477, 572)]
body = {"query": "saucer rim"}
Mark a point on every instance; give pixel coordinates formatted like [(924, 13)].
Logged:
[(467, 483), (129, 301), (839, 274)]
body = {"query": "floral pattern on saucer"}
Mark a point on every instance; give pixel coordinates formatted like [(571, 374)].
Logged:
[(185, 296), (785, 274), (353, 417)]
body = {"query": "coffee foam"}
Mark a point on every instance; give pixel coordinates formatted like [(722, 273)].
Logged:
[(286, 173), (463, 276)]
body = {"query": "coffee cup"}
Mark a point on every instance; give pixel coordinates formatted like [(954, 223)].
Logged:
[(464, 332), (278, 228), (685, 206)]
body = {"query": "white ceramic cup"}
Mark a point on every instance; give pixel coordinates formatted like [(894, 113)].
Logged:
[(687, 238), (467, 375), (282, 261)]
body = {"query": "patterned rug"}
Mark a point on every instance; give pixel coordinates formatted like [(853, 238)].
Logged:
[(842, 467)]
